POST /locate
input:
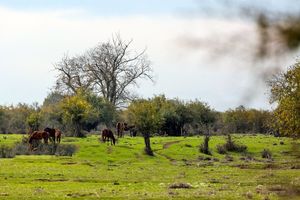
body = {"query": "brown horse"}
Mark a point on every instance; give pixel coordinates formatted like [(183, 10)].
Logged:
[(54, 134), (131, 128), (58, 134), (120, 129), (108, 134), (38, 135)]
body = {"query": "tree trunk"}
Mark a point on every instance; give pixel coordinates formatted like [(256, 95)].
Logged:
[(148, 149), (78, 132)]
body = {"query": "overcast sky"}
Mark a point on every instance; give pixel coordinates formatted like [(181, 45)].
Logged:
[(35, 34)]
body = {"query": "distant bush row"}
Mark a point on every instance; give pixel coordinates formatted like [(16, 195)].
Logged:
[(22, 148), (230, 146), (175, 117)]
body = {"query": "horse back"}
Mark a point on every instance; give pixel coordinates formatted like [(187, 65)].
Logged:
[(51, 131), (38, 135)]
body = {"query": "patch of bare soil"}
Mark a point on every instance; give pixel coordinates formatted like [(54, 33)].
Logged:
[(50, 180), (109, 150), (271, 166), (296, 150), (165, 146), (78, 195), (168, 144), (243, 166), (167, 157), (69, 163), (180, 186), (288, 190)]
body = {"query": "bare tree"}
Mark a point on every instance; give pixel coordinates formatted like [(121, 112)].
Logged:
[(108, 69), (71, 76)]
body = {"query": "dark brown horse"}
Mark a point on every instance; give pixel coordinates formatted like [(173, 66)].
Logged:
[(131, 128), (54, 134), (107, 134), (120, 129), (58, 134), (38, 135)]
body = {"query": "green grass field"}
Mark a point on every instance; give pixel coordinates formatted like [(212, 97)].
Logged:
[(101, 171)]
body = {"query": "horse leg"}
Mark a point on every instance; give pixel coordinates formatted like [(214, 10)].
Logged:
[(46, 140), (30, 147)]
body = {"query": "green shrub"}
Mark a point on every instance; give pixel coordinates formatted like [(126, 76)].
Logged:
[(65, 150), (230, 145), (221, 149), (266, 153), (204, 146), (45, 149), (22, 149), (7, 152)]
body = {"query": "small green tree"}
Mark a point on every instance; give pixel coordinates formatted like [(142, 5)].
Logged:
[(76, 109), (17, 116), (176, 116), (146, 115), (34, 121), (285, 91), (203, 116), (105, 112), (3, 119)]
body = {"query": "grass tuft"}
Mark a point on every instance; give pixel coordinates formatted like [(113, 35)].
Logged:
[(266, 153)]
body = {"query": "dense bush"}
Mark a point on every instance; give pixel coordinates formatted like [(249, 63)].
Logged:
[(266, 153), (7, 152), (243, 120), (221, 149), (204, 148), (65, 150), (46, 149), (230, 145), (22, 148)]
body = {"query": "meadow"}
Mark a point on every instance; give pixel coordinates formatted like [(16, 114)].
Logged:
[(176, 171)]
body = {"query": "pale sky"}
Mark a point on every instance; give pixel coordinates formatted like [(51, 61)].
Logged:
[(35, 34)]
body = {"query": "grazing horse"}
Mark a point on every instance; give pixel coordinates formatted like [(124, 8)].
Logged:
[(54, 134), (38, 135), (51, 132), (58, 134), (120, 129), (108, 134), (131, 129)]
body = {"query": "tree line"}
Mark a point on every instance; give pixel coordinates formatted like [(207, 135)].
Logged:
[(85, 112)]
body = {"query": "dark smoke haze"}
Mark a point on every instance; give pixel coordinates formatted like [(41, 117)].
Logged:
[(267, 47)]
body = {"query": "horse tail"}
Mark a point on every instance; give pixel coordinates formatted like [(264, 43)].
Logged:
[(113, 139), (103, 135), (46, 137), (30, 140)]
